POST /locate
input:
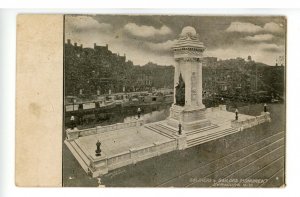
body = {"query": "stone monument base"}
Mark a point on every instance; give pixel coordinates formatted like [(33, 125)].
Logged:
[(154, 139), (190, 119)]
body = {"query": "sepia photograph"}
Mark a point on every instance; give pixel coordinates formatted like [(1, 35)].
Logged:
[(174, 101)]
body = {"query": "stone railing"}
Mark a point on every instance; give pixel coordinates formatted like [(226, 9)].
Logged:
[(76, 133), (213, 109), (241, 125), (119, 160), (132, 156)]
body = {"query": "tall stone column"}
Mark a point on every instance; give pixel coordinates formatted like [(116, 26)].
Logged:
[(187, 67), (176, 80), (188, 52), (199, 92)]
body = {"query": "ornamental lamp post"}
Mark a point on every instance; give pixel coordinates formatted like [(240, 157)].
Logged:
[(98, 150), (236, 114), (179, 128), (265, 107)]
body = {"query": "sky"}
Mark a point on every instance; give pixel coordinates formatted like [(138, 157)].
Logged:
[(149, 38)]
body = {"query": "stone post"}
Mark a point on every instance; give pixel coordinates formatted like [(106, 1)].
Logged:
[(72, 134), (181, 142)]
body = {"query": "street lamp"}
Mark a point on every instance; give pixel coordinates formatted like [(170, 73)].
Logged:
[(98, 150), (179, 128), (265, 107)]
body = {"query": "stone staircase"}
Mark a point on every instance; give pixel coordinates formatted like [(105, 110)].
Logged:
[(162, 130), (171, 130), (78, 154), (193, 132), (209, 137)]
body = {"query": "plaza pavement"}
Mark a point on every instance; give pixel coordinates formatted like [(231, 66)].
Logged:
[(118, 141), (121, 140)]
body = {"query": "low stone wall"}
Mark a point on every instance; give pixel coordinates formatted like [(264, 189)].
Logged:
[(75, 133), (131, 156), (119, 160), (104, 163), (213, 109), (101, 129), (241, 125)]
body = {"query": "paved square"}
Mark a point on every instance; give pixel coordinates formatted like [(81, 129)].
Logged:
[(118, 141), (224, 117)]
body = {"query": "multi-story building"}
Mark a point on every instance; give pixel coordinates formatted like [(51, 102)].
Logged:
[(97, 70)]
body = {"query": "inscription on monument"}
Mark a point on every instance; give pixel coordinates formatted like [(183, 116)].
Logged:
[(194, 89)]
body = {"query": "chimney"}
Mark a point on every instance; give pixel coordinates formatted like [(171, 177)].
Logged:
[(107, 46), (95, 45), (81, 46), (69, 41), (75, 44)]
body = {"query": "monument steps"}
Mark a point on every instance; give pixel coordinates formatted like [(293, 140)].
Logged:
[(212, 126), (173, 131), (159, 131), (78, 154), (81, 152), (210, 137)]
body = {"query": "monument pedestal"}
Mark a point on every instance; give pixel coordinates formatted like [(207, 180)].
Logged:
[(181, 142), (190, 118), (98, 165)]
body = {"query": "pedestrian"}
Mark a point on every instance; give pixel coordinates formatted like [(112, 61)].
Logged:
[(236, 114)]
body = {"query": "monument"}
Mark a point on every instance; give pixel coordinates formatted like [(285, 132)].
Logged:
[(190, 123), (188, 109)]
